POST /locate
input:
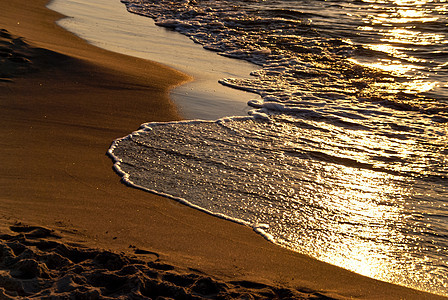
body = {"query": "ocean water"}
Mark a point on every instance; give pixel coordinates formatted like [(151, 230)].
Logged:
[(345, 158)]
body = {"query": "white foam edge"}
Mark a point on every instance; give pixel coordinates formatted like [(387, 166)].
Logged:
[(259, 228)]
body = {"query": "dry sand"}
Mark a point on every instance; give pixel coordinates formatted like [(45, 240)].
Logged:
[(69, 227)]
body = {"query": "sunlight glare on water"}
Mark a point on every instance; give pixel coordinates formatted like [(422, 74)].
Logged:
[(328, 192), (398, 25), (345, 158)]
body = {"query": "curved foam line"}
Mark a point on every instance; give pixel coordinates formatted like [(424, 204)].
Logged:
[(258, 228)]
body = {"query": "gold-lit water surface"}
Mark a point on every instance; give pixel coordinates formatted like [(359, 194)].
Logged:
[(371, 223), (381, 201), (367, 198), (398, 23), (348, 165), (369, 237)]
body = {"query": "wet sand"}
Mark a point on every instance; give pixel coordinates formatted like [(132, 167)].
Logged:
[(120, 31), (70, 227)]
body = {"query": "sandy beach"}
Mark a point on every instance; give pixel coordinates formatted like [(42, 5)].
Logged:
[(69, 227)]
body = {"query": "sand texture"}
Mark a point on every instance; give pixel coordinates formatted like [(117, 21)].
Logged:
[(41, 265), (69, 227)]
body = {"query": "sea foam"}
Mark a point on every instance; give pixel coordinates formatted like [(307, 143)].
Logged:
[(343, 158)]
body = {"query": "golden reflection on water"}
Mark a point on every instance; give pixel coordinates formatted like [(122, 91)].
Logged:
[(406, 36), (371, 229), (398, 24), (409, 87), (392, 66), (420, 86), (373, 201)]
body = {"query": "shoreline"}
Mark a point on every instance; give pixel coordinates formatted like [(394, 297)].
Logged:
[(120, 31), (64, 102)]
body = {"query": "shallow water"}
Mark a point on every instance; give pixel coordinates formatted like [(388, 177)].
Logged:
[(345, 158)]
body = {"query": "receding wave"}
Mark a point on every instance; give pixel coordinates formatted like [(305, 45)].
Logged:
[(344, 157), (301, 187)]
